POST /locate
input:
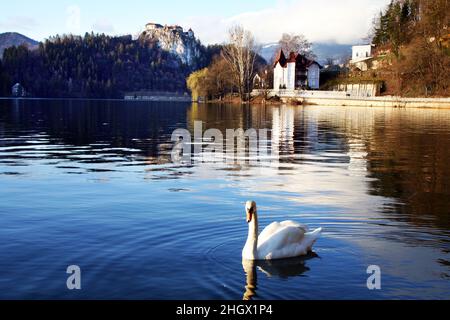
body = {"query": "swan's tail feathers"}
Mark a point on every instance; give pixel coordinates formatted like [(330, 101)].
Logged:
[(312, 237), (317, 232)]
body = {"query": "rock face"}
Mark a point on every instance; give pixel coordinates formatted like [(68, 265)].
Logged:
[(175, 40)]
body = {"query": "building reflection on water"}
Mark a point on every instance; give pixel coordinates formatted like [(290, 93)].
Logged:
[(397, 154), (401, 154)]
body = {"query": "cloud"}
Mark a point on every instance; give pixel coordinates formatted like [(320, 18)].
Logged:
[(19, 23), (103, 26), (344, 21), (73, 20), (210, 29)]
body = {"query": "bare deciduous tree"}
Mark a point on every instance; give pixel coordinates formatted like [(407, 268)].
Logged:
[(296, 43), (240, 54)]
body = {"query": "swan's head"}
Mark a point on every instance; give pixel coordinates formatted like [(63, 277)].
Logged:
[(250, 209)]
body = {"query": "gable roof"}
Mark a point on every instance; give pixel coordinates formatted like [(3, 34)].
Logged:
[(300, 60), (280, 58)]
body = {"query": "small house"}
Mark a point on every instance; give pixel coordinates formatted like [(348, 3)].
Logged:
[(18, 90), (362, 57)]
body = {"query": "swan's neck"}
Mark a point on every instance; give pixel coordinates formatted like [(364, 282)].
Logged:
[(251, 247)]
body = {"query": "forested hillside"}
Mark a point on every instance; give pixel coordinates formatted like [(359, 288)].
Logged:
[(94, 66), (416, 34)]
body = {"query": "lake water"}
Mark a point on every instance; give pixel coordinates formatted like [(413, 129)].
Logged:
[(91, 183)]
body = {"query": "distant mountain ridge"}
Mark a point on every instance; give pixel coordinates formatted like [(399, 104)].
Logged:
[(323, 51), (10, 39)]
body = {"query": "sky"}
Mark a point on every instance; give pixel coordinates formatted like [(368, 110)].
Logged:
[(339, 21)]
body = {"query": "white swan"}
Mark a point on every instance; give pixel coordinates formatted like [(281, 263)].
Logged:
[(286, 239)]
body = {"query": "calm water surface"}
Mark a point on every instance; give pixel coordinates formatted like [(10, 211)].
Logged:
[(91, 183)]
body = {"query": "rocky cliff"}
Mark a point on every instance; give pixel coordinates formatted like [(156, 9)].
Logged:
[(175, 40)]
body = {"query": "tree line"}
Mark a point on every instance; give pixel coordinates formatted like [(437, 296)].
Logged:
[(95, 66)]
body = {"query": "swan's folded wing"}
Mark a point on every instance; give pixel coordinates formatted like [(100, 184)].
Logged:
[(269, 231), (274, 227), (290, 223), (281, 238)]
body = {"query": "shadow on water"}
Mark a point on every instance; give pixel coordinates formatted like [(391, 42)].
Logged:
[(284, 269)]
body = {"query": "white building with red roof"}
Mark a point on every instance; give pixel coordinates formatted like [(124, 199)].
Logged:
[(295, 72)]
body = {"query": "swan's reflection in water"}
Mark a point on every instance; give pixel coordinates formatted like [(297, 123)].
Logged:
[(284, 268)]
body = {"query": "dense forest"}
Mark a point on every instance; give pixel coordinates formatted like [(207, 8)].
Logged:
[(95, 66), (416, 34)]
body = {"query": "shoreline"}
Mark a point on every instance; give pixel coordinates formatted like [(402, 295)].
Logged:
[(345, 98), (386, 102)]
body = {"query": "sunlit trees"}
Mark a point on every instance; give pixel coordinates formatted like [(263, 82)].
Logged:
[(434, 17), (395, 26), (424, 69), (232, 69), (196, 83), (240, 54), (213, 82), (219, 79), (415, 31)]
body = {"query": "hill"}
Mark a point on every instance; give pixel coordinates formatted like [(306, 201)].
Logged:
[(10, 39), (100, 66)]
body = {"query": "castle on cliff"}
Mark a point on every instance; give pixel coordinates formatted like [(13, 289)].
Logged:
[(173, 28), (174, 40)]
